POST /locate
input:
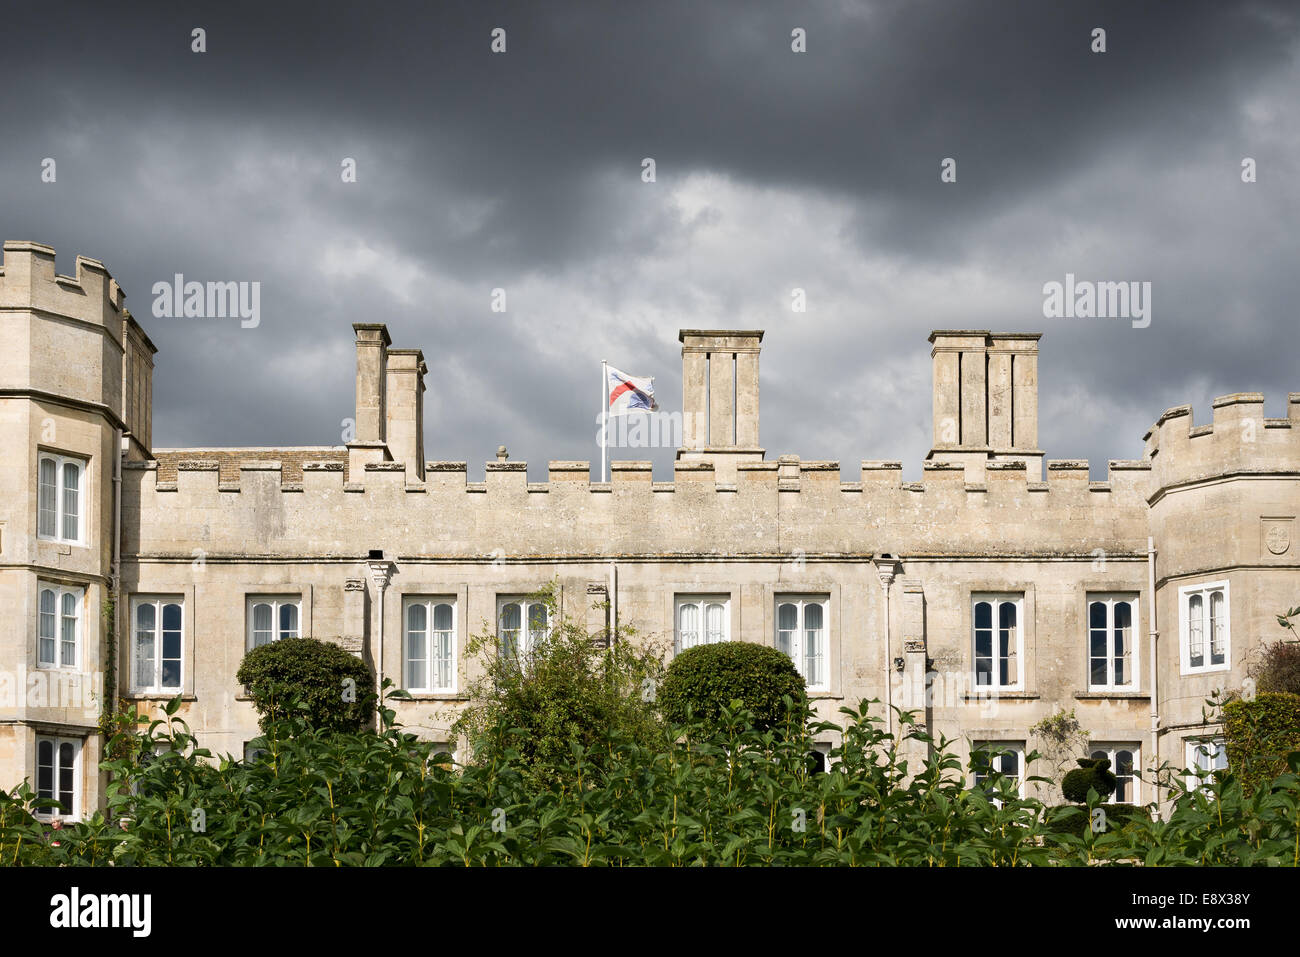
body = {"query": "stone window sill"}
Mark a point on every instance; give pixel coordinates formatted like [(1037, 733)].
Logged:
[(1003, 696), (156, 696), (1112, 696)]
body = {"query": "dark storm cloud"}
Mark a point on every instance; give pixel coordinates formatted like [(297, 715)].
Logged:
[(522, 171)]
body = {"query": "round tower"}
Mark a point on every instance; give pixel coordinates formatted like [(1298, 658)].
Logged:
[(75, 376)]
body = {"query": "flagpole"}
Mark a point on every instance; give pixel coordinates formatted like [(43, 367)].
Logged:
[(604, 414)]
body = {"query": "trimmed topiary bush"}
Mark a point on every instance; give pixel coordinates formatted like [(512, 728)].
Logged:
[(707, 678), (1091, 774), (1260, 734), (335, 686)]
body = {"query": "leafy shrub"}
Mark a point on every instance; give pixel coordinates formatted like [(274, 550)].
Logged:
[(743, 797), (1276, 667), (570, 690), (1260, 734), (333, 687), (708, 678), (1091, 774)]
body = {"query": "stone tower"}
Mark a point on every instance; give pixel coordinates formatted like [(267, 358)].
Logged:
[(76, 376)]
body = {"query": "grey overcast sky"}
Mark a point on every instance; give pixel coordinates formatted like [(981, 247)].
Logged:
[(775, 170)]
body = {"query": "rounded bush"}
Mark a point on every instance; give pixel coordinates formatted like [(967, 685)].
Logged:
[(1091, 774), (707, 678), (335, 686)]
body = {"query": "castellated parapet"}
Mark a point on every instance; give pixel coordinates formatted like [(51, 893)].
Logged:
[(1239, 441), (773, 509)]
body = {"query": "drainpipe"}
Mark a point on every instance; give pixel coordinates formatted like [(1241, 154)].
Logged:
[(613, 603), (887, 568), (110, 694), (1155, 674), (380, 573)]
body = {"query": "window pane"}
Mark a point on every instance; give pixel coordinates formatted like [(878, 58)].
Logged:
[(1195, 634), (813, 654), (1097, 615), (442, 617), (715, 623), (688, 625), (444, 664), (145, 622), (417, 617), (171, 646), (1126, 788), (67, 779), (1011, 764), (45, 628), (1218, 628), (68, 631), (288, 620), (1007, 643), (262, 619), (416, 662), (71, 493), (443, 669), (47, 507), (511, 622), (45, 769), (983, 643), (1123, 641), (787, 621), (536, 623)]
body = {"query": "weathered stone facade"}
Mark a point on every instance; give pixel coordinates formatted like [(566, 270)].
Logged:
[(903, 572)]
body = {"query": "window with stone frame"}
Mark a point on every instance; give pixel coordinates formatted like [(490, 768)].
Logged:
[(58, 776), (1112, 637), (429, 644), (60, 498), (1125, 760), (801, 632), (702, 620), (998, 637), (272, 617), (1205, 627), (59, 625)]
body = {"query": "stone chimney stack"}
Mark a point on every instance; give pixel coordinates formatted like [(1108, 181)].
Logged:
[(986, 399), (404, 410), (369, 444), (720, 398)]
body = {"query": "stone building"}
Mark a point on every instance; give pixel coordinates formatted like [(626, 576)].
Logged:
[(985, 598)]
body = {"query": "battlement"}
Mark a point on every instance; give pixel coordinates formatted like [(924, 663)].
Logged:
[(1239, 440), (324, 467), (256, 509), (28, 281)]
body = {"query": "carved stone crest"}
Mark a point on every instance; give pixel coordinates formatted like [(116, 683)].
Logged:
[(1277, 534), (1277, 538)]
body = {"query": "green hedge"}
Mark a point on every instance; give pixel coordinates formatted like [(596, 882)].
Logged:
[(1059, 820), (320, 675), (708, 678), (1260, 733)]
